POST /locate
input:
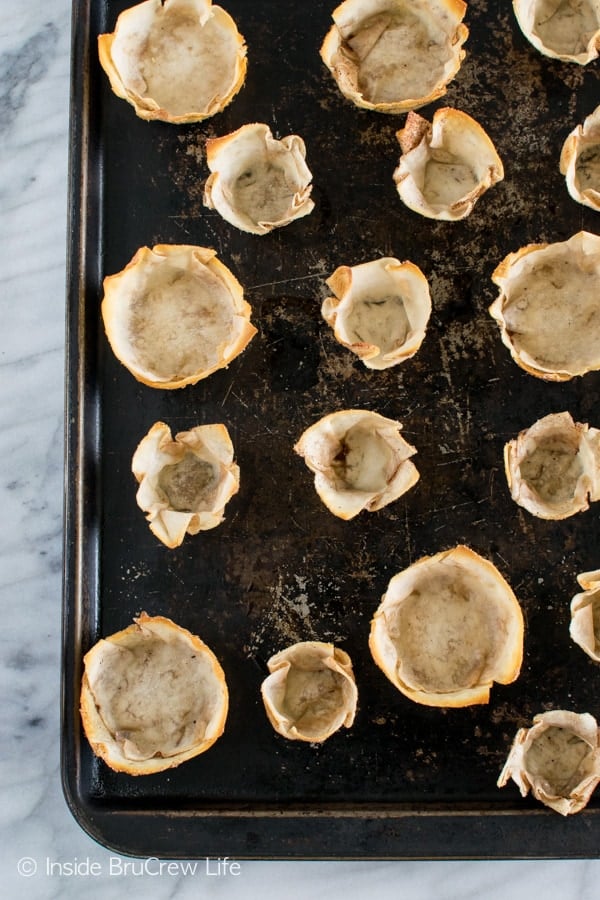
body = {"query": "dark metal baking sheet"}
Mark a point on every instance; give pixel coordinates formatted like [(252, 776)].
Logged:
[(406, 780)]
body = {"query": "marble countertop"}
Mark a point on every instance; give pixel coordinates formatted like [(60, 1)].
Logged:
[(44, 853)]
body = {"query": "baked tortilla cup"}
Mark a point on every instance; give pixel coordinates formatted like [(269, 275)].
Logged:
[(258, 183), (547, 308), (557, 759), (447, 628), (310, 692), (561, 29), (445, 166), (585, 615), (553, 467), (380, 310), (580, 162), (394, 55), (152, 696), (359, 459), (175, 314), (185, 483), (174, 60)]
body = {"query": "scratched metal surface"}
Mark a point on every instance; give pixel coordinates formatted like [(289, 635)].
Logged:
[(281, 568)]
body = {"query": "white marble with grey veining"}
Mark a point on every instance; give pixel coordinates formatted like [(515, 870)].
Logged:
[(36, 827)]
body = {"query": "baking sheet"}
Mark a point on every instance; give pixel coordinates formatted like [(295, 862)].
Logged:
[(406, 781)]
